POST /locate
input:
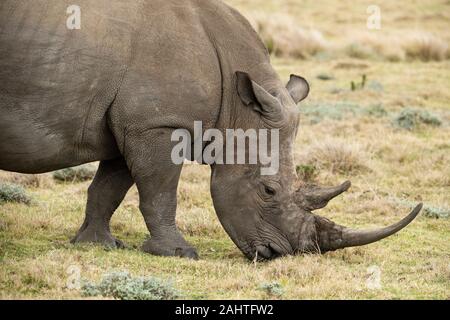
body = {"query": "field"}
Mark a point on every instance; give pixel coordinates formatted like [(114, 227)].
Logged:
[(378, 115)]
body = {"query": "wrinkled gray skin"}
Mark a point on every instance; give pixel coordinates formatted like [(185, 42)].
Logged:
[(116, 89)]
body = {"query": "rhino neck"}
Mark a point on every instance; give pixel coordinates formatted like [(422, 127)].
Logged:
[(238, 48)]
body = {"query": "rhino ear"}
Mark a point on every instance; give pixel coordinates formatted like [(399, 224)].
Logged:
[(252, 94), (298, 88)]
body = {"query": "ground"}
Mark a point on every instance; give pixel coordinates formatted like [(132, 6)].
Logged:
[(345, 134)]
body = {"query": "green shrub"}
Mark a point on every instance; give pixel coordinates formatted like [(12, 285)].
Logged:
[(80, 173), (436, 213), (411, 118), (272, 289), (13, 193), (307, 172), (121, 285)]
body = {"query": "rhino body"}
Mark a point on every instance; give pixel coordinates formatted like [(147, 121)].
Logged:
[(114, 91)]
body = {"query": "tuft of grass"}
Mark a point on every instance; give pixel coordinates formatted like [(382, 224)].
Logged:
[(272, 289), (394, 47), (121, 285), (285, 38), (337, 156), (411, 118), (13, 193), (426, 47), (76, 174), (359, 85)]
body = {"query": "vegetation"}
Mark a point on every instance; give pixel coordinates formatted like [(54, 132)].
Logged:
[(344, 135), (13, 193), (412, 118), (121, 285), (80, 173)]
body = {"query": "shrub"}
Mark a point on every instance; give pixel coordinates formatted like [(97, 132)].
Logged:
[(435, 212), (411, 118), (80, 173), (13, 193), (272, 289), (121, 285), (307, 172)]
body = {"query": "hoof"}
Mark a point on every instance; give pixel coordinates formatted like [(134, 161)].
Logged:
[(103, 238), (160, 248), (189, 253)]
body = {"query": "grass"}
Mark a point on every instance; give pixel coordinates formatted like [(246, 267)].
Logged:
[(404, 167), (330, 30)]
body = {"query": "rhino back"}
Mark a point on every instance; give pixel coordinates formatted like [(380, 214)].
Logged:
[(56, 84)]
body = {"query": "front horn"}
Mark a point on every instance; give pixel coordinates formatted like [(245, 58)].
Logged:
[(332, 236)]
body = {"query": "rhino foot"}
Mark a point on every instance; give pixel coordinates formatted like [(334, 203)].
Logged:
[(101, 237), (163, 248)]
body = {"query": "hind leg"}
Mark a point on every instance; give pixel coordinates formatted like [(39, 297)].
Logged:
[(106, 192)]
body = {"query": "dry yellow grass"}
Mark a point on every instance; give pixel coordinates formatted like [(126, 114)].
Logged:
[(302, 31), (285, 38)]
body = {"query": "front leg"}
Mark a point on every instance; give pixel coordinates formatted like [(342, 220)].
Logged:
[(148, 156)]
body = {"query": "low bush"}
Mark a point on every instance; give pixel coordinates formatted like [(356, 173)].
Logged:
[(13, 193), (272, 289), (411, 119), (122, 286), (76, 174)]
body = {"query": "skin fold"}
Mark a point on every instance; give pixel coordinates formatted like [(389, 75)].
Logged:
[(115, 90)]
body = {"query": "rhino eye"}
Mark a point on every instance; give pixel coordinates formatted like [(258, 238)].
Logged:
[(269, 191)]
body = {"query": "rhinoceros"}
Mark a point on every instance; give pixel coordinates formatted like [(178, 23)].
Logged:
[(115, 88)]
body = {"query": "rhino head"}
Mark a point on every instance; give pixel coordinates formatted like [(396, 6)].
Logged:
[(268, 216)]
